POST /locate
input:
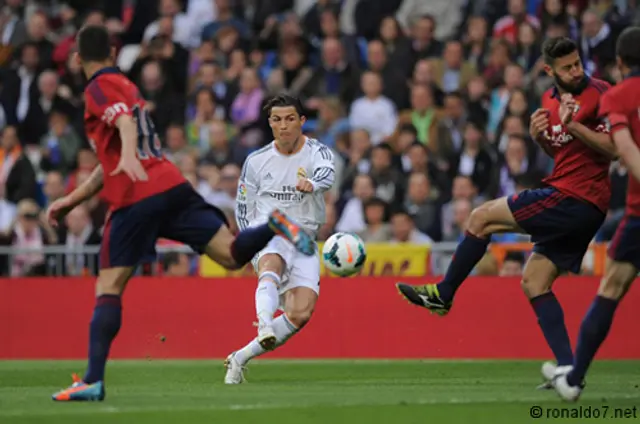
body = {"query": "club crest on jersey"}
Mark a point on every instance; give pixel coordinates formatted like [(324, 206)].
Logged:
[(302, 173)]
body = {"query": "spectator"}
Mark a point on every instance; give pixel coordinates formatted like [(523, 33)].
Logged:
[(175, 265), (447, 13), (424, 116), (329, 227), (452, 73), (28, 233), (513, 265), (292, 75), (475, 42), (16, 172), (331, 121), (53, 187), (222, 149), (60, 145), (458, 225), (389, 181), (393, 79), (403, 230), (374, 112), (183, 33), (77, 234), (375, 214), (334, 77), (8, 212), (423, 206), (245, 110), (396, 44), (352, 217), (207, 111), (507, 27), (21, 85), (515, 164), (597, 44), (473, 161), (175, 142)]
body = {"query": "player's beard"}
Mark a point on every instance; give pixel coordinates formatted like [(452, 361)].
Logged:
[(574, 88)]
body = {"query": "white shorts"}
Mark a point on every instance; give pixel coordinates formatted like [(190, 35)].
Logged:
[(300, 270)]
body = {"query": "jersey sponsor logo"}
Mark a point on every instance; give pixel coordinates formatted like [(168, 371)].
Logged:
[(288, 194), (558, 137), (112, 111)]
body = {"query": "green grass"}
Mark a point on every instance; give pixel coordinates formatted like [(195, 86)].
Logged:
[(301, 392)]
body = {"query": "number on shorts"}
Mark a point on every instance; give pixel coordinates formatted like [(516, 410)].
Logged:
[(148, 141)]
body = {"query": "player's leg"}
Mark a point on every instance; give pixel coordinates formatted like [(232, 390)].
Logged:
[(595, 326), (537, 281), (299, 304), (298, 292), (492, 217), (104, 327), (271, 266), (129, 238)]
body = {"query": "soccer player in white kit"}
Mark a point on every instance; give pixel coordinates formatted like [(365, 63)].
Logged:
[(291, 173)]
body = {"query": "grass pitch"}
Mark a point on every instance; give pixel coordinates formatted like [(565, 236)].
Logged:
[(327, 392)]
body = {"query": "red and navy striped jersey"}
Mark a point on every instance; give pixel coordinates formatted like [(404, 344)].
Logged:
[(108, 96), (621, 109), (579, 171)]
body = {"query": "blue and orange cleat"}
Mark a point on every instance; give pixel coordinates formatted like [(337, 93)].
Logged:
[(283, 226), (80, 391)]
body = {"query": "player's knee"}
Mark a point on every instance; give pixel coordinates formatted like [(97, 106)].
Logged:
[(533, 287), (612, 287), (478, 221), (299, 318)]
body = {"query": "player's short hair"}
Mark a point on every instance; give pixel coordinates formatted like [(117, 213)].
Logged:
[(628, 47), (284, 100), (94, 43), (557, 47)]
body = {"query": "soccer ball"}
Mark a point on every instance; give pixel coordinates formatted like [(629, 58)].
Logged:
[(344, 254)]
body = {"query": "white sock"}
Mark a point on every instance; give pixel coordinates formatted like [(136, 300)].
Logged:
[(283, 329), (267, 297)]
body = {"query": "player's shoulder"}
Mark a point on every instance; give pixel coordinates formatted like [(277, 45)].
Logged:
[(615, 94), (104, 85), (260, 154), (317, 147), (598, 86), (548, 96)]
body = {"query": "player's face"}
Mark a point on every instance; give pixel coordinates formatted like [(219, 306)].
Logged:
[(568, 72), (286, 125)]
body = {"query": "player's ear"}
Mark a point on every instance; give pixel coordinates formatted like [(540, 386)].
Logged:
[(303, 119), (76, 59), (548, 70), (113, 54)]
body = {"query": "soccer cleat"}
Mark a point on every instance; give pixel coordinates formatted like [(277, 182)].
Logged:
[(286, 228), (235, 371), (564, 390), (426, 296), (266, 337), (80, 391), (549, 371)]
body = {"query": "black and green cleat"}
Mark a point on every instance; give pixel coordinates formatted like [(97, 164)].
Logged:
[(426, 296)]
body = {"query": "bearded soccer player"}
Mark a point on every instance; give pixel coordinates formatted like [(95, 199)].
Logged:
[(621, 108), (562, 217), (149, 199)]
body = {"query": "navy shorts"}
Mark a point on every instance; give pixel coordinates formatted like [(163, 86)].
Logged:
[(625, 245), (561, 226), (178, 214)]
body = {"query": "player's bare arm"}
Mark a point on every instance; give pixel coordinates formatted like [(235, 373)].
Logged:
[(129, 162), (89, 188), (628, 151), (537, 127)]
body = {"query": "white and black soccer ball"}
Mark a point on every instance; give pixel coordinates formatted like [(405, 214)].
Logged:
[(344, 254)]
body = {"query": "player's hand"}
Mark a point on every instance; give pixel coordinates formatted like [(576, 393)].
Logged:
[(567, 108), (539, 123), (58, 210), (132, 167), (304, 186)]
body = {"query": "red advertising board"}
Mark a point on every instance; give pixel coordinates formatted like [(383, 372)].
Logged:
[(361, 317)]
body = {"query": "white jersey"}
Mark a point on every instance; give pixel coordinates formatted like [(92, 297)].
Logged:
[(268, 181)]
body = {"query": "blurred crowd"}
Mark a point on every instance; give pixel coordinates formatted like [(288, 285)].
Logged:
[(425, 103)]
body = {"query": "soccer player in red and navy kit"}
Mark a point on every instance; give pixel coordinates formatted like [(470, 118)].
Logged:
[(149, 199), (621, 108), (562, 217)]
